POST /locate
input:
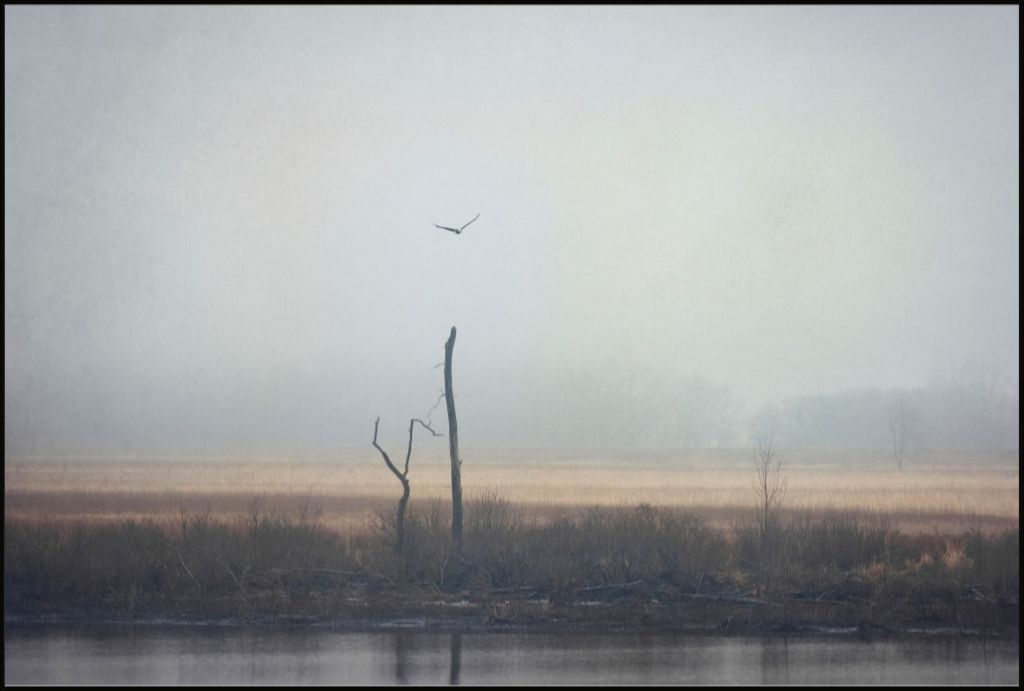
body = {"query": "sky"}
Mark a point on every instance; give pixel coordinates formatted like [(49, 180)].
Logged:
[(218, 221)]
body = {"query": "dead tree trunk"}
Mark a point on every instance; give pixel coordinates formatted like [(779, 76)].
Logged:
[(453, 445), (403, 477)]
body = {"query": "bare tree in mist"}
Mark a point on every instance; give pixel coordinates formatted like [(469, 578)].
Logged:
[(770, 486), (768, 482), (902, 422), (403, 477), (453, 448)]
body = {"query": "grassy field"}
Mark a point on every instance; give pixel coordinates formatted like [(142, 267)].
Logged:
[(938, 492), (589, 539)]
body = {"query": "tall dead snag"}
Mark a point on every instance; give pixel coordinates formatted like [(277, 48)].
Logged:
[(403, 477), (453, 444)]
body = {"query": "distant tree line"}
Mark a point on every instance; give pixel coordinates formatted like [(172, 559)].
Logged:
[(688, 411), (953, 413), (531, 405)]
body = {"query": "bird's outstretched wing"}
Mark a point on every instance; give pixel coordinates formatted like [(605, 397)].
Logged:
[(464, 227), (453, 230)]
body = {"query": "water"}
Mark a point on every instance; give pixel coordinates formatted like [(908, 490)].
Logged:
[(228, 655)]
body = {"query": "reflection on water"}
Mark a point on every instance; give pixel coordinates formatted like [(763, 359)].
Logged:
[(455, 665), (227, 655), (403, 651)]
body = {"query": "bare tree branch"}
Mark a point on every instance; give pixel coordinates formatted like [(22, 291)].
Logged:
[(403, 477), (408, 451), (432, 409), (387, 460), (426, 426)]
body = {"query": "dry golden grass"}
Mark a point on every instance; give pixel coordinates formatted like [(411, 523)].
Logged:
[(940, 492)]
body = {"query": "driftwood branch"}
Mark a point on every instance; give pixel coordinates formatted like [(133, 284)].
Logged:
[(241, 588), (732, 599), (187, 570), (608, 587), (352, 574)]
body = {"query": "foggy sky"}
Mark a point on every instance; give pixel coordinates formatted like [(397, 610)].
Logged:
[(218, 221)]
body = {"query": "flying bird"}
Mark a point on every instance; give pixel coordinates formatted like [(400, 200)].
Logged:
[(456, 230)]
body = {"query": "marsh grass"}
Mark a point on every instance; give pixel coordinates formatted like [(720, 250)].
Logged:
[(268, 563), (950, 494), (928, 544)]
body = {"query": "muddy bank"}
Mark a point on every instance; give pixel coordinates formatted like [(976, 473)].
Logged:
[(635, 607)]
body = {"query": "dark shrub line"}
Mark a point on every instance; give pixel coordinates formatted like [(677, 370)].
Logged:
[(270, 562)]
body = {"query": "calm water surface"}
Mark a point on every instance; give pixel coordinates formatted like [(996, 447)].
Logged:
[(228, 655)]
